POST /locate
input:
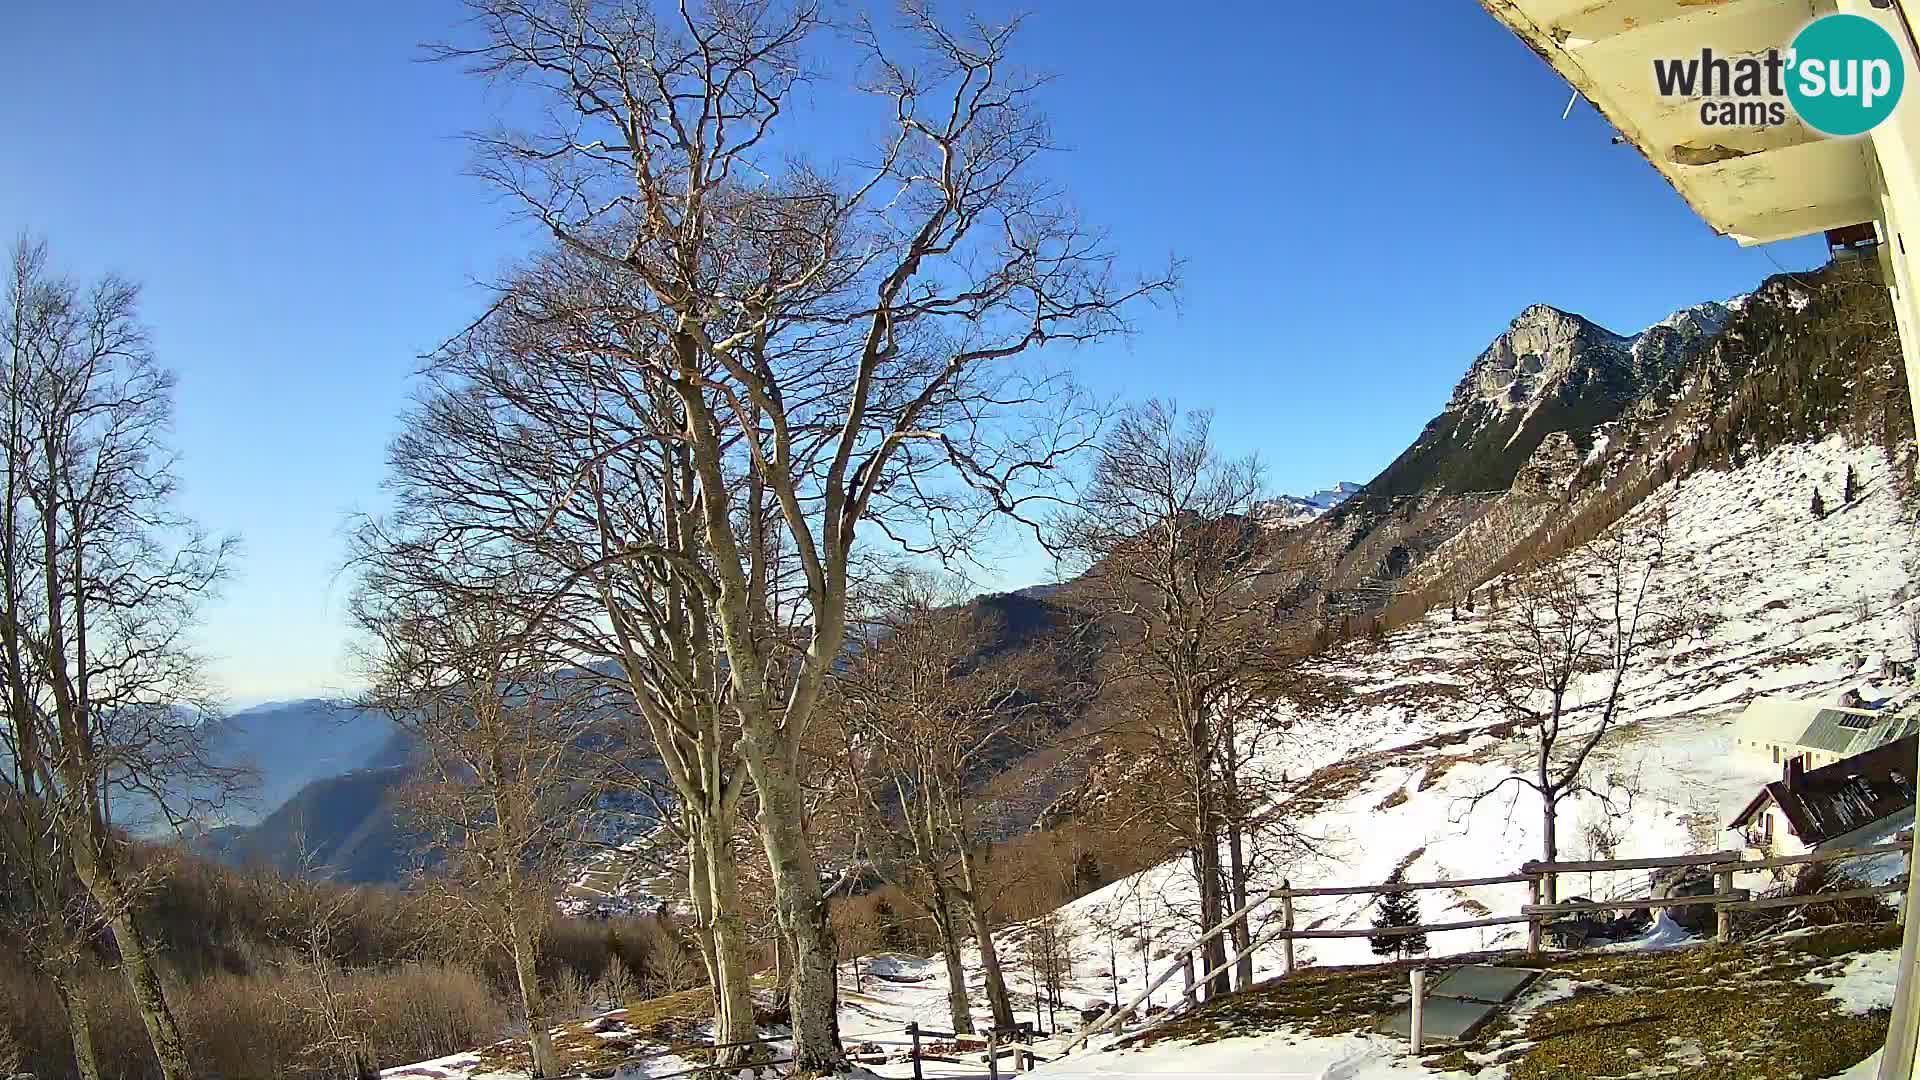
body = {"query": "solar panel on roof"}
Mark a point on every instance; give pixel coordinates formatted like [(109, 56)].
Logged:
[(1827, 733)]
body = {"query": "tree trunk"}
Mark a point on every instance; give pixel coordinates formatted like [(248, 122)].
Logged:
[(1549, 846), (136, 959), (732, 993), (525, 968), (1206, 874), (959, 1009), (1237, 871), (799, 903), (163, 1031), (1206, 841), (79, 1028), (997, 998), (1237, 881), (700, 894)]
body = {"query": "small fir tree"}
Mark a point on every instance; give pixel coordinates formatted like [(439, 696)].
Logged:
[(1853, 487), (1398, 909), (1819, 504)]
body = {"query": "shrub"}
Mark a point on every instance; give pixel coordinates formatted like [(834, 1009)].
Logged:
[(1813, 879)]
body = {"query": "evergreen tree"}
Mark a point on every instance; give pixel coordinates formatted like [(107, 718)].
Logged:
[(1398, 909), (1087, 875), (887, 924), (1819, 504), (1853, 487)]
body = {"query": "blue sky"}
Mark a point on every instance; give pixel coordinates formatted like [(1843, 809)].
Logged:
[(1364, 195)]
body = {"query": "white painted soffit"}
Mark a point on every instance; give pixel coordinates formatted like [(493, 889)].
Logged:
[(1754, 184)]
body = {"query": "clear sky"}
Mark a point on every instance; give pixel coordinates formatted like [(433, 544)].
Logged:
[(1364, 194)]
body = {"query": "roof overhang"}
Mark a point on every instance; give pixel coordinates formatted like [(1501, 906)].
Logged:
[(1755, 184)]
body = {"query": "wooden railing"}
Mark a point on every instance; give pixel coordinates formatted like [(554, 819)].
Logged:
[(1016, 1043), (1725, 899)]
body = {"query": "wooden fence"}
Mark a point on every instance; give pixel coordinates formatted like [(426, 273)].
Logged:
[(1016, 1044), (1725, 899), (1537, 876)]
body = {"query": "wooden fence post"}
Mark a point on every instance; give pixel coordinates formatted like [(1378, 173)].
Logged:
[(1722, 914), (1416, 1035), (1533, 924), (993, 1054), (913, 1032), (1286, 921), (1186, 977)]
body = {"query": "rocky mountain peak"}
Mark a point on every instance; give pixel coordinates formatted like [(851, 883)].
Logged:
[(1538, 351), (1550, 370)]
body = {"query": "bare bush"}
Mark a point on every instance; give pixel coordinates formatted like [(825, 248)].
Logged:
[(238, 1025), (1812, 880)]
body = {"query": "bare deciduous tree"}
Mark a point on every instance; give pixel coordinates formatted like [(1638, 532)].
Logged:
[(502, 727), (105, 705), (1177, 565), (1556, 654), (531, 442), (924, 711), (1050, 945), (833, 340), (45, 914), (313, 919)]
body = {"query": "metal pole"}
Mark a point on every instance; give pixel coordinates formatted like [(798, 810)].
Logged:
[(1533, 924), (1415, 1036), (913, 1032), (1286, 920), (1896, 1062), (1723, 915)]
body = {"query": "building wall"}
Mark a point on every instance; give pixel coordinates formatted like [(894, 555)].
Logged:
[(1782, 841), (1779, 752)]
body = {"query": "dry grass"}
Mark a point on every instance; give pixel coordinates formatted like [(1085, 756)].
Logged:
[(650, 1026), (260, 1024), (1735, 1012), (680, 1024), (1714, 1012)]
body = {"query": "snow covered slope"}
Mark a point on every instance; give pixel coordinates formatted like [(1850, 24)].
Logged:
[(1789, 605)]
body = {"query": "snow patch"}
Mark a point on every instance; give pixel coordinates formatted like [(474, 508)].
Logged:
[(1865, 984)]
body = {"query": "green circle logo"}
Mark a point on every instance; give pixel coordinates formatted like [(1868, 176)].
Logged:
[(1846, 74)]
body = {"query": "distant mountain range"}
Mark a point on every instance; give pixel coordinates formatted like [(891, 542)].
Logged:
[(290, 744), (345, 828), (1298, 509)]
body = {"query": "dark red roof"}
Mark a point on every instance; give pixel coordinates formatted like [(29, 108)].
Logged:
[(1836, 799)]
